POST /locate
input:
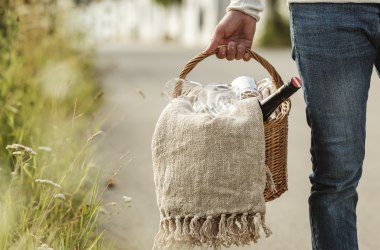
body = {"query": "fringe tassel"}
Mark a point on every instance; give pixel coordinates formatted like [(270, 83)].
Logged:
[(212, 231), (266, 229), (194, 227), (170, 239), (230, 223), (233, 230), (257, 226), (186, 228), (244, 223), (206, 230), (171, 226), (245, 235), (178, 229), (222, 232)]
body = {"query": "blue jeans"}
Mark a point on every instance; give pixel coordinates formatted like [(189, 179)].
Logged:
[(335, 47)]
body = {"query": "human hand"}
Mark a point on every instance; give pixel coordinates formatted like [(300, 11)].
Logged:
[(236, 30)]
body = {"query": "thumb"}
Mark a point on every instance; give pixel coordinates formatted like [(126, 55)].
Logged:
[(211, 47), (215, 42)]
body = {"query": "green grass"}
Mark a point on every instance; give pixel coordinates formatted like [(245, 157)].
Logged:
[(49, 193)]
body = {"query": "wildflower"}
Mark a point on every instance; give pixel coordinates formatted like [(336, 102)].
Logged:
[(127, 199), (12, 147), (49, 182), (20, 148), (18, 153), (45, 148), (60, 196), (44, 247)]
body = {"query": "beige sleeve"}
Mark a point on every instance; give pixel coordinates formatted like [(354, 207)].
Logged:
[(249, 7)]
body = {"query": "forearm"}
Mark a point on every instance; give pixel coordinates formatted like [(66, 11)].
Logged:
[(249, 7)]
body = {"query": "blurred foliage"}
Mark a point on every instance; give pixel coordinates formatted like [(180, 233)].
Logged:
[(78, 2), (276, 31), (168, 2), (48, 98), (8, 30)]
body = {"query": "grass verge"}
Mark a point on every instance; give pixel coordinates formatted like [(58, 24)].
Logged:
[(49, 193)]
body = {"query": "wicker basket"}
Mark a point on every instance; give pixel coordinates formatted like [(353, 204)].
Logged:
[(276, 130)]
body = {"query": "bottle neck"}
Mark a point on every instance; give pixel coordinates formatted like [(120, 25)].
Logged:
[(273, 101)]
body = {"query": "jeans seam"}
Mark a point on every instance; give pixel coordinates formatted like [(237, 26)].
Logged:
[(296, 57)]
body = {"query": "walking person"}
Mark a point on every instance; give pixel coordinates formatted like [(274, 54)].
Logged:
[(335, 44)]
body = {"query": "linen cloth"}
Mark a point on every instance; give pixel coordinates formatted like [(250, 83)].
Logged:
[(210, 176)]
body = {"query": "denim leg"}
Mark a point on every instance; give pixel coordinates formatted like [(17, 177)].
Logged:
[(335, 49)]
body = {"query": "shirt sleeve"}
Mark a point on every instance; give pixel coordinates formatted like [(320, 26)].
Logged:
[(249, 7)]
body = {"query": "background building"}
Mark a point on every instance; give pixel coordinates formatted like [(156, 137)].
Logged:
[(191, 23)]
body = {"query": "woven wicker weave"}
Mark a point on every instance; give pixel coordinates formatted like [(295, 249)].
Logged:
[(276, 130)]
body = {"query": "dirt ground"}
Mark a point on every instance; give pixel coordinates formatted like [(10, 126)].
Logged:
[(133, 78)]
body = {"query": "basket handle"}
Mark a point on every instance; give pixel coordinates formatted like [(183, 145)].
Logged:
[(276, 78)]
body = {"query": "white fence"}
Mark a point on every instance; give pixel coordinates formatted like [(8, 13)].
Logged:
[(192, 23)]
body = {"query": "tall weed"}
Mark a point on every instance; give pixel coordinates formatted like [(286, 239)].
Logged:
[(49, 196)]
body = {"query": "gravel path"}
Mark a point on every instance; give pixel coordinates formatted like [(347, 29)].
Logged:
[(133, 79)]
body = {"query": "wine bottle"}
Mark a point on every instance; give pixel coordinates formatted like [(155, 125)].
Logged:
[(273, 101)]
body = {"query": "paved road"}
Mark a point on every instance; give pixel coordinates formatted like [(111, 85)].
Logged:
[(133, 79)]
